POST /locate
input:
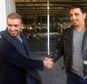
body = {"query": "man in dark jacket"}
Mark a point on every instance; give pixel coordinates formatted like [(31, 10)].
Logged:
[(73, 46), (16, 67)]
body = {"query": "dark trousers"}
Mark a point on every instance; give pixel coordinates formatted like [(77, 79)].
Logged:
[(75, 79)]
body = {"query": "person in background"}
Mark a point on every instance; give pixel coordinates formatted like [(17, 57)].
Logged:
[(73, 47), (16, 67)]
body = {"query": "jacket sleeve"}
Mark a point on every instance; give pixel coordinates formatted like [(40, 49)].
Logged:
[(9, 53), (59, 50)]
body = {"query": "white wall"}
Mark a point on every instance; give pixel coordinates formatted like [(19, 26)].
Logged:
[(2, 15), (6, 7)]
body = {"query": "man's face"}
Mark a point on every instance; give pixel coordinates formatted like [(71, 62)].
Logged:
[(77, 17), (14, 26)]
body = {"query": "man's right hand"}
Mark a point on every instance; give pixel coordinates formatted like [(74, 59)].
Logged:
[(48, 63)]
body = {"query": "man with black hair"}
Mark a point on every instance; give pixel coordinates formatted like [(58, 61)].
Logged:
[(73, 47)]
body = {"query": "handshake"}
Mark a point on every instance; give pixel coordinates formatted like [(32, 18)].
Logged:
[(48, 63)]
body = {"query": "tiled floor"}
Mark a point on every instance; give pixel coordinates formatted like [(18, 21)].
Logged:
[(53, 76)]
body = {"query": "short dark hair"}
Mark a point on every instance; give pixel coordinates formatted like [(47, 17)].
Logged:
[(14, 16), (78, 6)]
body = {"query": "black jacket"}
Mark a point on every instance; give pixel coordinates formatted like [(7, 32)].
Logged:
[(16, 57), (64, 48)]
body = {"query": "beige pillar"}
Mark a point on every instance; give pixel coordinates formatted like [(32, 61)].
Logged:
[(14, 7)]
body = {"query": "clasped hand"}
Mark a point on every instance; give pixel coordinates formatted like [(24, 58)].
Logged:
[(48, 63)]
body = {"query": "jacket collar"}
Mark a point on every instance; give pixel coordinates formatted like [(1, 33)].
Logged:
[(16, 42), (84, 43)]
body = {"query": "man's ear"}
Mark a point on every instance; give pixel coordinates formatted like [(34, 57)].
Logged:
[(22, 25), (84, 15)]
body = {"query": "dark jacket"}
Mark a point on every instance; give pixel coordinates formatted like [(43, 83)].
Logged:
[(64, 49), (15, 55)]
